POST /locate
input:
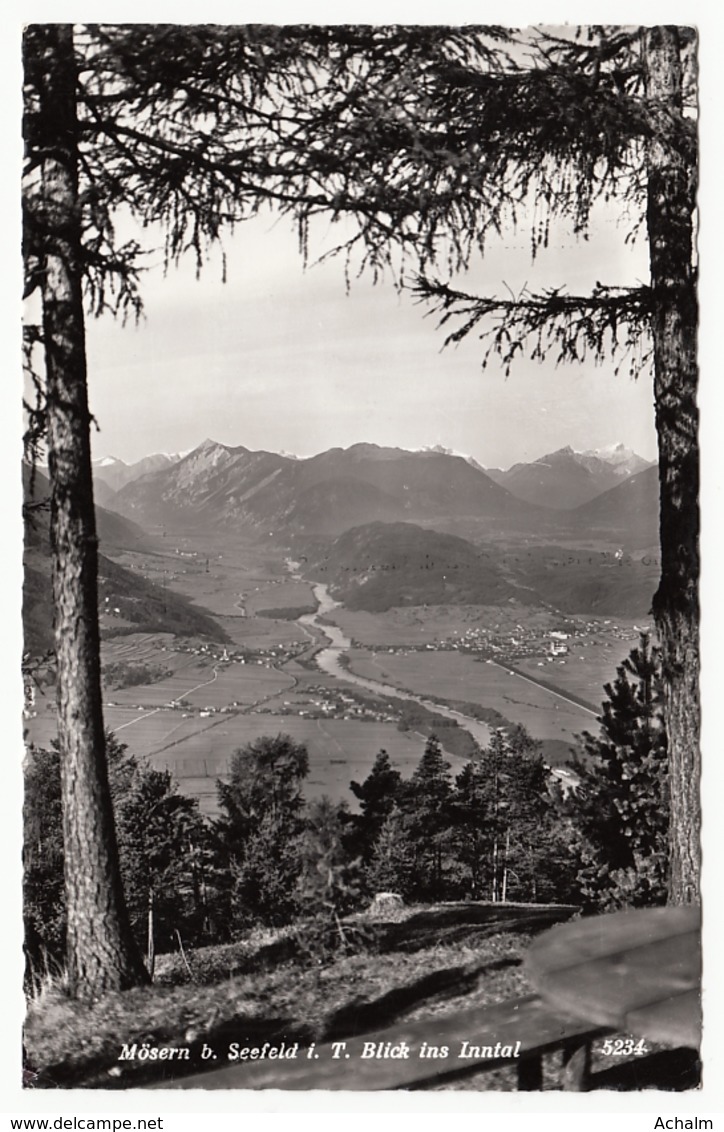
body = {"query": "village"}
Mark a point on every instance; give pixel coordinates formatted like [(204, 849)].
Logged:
[(521, 642)]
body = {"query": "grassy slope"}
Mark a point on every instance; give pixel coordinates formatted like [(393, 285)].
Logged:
[(436, 960), (432, 962), (149, 607), (152, 608)]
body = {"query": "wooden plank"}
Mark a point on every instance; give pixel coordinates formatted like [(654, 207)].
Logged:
[(676, 1020), (594, 937), (638, 972), (408, 1045)]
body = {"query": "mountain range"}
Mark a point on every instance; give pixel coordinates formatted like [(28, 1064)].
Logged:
[(383, 525), (322, 495), (628, 512), (566, 478), (116, 473)]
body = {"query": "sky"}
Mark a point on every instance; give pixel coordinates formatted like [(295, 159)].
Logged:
[(285, 359)]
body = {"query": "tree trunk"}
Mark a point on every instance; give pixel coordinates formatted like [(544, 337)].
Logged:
[(506, 851), (101, 955), (150, 940), (674, 323)]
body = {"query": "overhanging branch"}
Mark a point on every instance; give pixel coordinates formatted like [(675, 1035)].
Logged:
[(611, 322)]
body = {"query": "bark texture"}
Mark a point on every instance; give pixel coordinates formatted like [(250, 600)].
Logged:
[(670, 213), (102, 955)]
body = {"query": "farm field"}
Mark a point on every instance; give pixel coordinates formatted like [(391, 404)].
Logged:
[(197, 750), (339, 751), (245, 684), (147, 731), (42, 729), (261, 632), (588, 668), (225, 591), (280, 595), (213, 576), (140, 648), (453, 676), (141, 731), (234, 583)]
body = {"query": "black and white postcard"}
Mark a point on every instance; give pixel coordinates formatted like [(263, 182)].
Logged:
[(361, 576)]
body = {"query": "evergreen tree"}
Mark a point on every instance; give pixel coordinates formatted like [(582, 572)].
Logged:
[(157, 828), (619, 815), (263, 874), (471, 827), (392, 866), (507, 841), (262, 819), (496, 763), (330, 885), (43, 892), (426, 803), (376, 796), (265, 780), (535, 865)]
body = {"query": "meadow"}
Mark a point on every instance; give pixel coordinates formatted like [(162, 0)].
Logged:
[(340, 750), (280, 595), (453, 676), (588, 667), (197, 749)]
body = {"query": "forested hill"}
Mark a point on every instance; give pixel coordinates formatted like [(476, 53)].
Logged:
[(143, 603), (377, 566)]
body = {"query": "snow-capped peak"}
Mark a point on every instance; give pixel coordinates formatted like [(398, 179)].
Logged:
[(622, 460), (441, 450), (611, 453), (108, 462)]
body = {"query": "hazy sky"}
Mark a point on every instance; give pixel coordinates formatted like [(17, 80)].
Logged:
[(282, 359)]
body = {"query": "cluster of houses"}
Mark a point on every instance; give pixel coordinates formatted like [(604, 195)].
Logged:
[(328, 703), (518, 642), (272, 655)]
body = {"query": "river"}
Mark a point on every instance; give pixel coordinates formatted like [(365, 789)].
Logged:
[(329, 660)]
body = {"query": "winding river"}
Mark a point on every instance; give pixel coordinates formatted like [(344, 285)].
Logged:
[(328, 659)]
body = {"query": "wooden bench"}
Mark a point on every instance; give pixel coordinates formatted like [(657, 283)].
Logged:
[(524, 1030)]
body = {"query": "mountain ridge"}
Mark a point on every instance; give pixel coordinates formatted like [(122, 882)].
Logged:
[(565, 479), (322, 494)]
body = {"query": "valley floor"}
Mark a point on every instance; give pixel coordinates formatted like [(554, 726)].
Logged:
[(207, 700)]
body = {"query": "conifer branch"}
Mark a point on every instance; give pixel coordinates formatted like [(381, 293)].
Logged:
[(610, 322)]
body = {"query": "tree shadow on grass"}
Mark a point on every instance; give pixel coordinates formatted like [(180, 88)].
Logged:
[(457, 923), (360, 1016)]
